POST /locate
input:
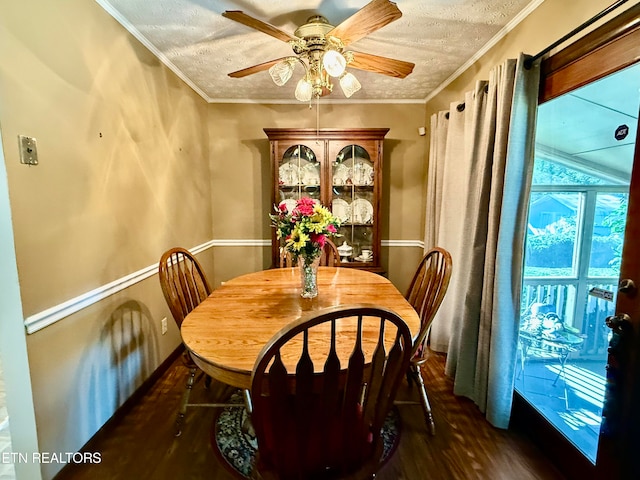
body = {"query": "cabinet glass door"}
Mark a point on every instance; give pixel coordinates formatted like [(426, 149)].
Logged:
[(298, 175), (352, 201)]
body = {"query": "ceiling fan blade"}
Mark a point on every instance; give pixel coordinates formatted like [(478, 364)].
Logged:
[(368, 19), (259, 25), (255, 68), (383, 65)]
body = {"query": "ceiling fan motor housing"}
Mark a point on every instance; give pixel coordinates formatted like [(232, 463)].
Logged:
[(316, 27), (313, 40)]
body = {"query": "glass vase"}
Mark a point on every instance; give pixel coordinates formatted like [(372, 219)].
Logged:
[(309, 276)]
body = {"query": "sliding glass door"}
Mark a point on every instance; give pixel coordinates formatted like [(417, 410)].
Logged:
[(577, 386), (577, 214)]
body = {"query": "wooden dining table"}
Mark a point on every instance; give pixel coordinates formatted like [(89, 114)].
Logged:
[(226, 332)]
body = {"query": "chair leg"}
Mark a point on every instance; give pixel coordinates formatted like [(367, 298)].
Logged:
[(185, 401), (426, 407), (246, 394), (247, 425)]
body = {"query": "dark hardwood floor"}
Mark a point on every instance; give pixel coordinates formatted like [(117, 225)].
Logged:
[(140, 444)]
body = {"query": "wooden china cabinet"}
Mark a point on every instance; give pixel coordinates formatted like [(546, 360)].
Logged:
[(341, 169)]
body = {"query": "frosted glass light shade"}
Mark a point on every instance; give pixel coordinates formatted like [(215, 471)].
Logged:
[(304, 90), (334, 63), (349, 84), (281, 72)]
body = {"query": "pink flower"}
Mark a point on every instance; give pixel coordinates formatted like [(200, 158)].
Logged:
[(304, 206), (331, 228), (306, 201), (318, 238), (282, 207)]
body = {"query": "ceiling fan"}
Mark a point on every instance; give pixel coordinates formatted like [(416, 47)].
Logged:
[(321, 49)]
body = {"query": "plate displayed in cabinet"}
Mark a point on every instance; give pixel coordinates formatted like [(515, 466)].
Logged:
[(362, 173), (341, 175), (361, 211), (310, 175), (341, 210), (289, 174)]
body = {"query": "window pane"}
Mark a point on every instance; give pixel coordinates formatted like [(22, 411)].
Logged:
[(546, 172), (544, 298), (551, 235), (608, 232)]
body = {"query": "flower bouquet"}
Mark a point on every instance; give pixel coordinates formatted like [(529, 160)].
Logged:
[(305, 230)]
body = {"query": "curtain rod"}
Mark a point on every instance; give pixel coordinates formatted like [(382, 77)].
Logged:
[(529, 61)]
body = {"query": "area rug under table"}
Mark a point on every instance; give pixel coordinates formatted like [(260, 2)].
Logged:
[(237, 449)]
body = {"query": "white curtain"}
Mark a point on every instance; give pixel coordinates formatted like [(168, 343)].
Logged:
[(480, 166)]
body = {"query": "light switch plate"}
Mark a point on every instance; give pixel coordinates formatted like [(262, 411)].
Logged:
[(163, 325), (28, 150)]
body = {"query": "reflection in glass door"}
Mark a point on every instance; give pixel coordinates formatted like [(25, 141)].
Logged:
[(584, 155)]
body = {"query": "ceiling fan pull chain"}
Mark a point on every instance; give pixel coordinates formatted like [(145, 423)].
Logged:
[(317, 120)]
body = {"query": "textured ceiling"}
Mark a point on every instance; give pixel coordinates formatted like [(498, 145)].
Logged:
[(202, 47), (581, 125)]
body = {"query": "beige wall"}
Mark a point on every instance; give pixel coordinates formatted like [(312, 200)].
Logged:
[(122, 144), (123, 175), (241, 176)]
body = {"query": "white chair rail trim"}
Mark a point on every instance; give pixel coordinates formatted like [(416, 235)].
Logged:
[(402, 243), (51, 315)]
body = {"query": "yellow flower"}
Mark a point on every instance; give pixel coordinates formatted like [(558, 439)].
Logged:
[(316, 224), (323, 212), (297, 240), (319, 220)]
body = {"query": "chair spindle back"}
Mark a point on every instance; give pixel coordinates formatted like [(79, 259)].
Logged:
[(324, 416), (183, 282), (428, 288)]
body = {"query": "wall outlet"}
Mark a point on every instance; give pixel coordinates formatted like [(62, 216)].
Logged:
[(163, 323)]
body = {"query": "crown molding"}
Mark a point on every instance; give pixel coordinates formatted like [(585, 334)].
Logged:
[(487, 46)]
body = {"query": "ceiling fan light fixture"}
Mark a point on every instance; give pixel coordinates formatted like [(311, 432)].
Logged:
[(321, 49), (334, 63), (282, 71), (349, 84), (304, 90)]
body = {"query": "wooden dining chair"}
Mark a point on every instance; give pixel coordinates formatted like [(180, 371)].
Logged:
[(183, 281), (425, 294), (322, 418), (184, 285), (328, 258), (286, 259)]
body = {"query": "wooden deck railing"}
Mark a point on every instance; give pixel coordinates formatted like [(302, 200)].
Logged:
[(571, 301)]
